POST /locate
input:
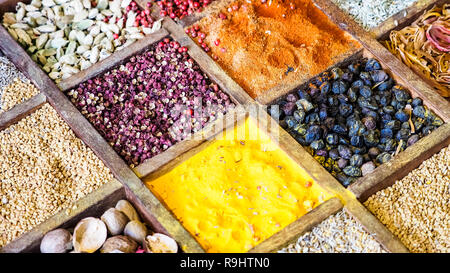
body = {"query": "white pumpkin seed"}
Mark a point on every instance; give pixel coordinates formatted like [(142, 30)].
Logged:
[(107, 12), (41, 20), (81, 49), (20, 25), (68, 59), (102, 4), (84, 24), (98, 38), (36, 3), (30, 8), (125, 3), (131, 18), (80, 16), (87, 4), (84, 64), (94, 55), (114, 28), (46, 28), (20, 14), (48, 3), (71, 47), (92, 13), (58, 43), (135, 36), (41, 40), (88, 40)]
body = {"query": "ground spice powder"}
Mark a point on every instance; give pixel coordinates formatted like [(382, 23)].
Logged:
[(237, 191), (261, 45)]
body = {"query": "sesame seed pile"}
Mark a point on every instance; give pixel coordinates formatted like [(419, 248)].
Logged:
[(44, 168), (416, 208), (339, 233), (8, 74)]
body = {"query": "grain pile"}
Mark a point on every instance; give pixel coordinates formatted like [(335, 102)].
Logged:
[(339, 233), (371, 13), (44, 168), (416, 208), (8, 72), (17, 92)]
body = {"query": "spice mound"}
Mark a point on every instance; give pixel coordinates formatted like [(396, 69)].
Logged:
[(416, 208), (44, 168), (339, 233), (118, 230), (238, 191), (261, 45), (371, 13), (151, 102), (355, 118), (65, 37), (425, 47)]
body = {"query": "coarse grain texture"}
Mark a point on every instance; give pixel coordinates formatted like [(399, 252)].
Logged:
[(44, 168), (339, 233), (8, 72), (17, 92), (261, 45), (416, 208), (238, 191), (371, 13), (151, 102)]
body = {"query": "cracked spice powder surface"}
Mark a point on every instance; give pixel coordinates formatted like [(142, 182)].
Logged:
[(260, 41)]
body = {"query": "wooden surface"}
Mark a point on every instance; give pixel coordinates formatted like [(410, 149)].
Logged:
[(21, 110), (152, 210), (296, 229)]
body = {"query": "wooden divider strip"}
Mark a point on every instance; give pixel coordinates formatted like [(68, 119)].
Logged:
[(21, 110)]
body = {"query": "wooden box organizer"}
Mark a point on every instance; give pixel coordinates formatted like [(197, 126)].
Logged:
[(128, 184)]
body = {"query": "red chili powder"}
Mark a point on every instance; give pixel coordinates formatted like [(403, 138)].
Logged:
[(261, 45)]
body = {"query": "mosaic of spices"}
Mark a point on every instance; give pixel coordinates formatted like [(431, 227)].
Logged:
[(235, 193), (425, 46), (151, 102), (261, 44), (371, 13), (354, 119)]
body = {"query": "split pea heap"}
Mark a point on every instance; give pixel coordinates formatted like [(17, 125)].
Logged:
[(238, 191), (44, 169), (416, 208)]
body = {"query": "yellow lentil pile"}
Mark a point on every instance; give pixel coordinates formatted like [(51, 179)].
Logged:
[(416, 208), (44, 168), (17, 92)]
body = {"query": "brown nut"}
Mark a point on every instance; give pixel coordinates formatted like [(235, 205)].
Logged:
[(160, 243), (126, 208), (136, 231), (89, 235), (119, 243), (115, 221), (56, 241)]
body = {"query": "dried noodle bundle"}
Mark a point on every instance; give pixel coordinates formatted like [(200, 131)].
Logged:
[(425, 46)]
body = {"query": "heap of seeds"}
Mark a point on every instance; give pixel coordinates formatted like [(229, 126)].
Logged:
[(16, 93), (8, 72), (371, 13), (339, 233), (416, 208), (44, 168)]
